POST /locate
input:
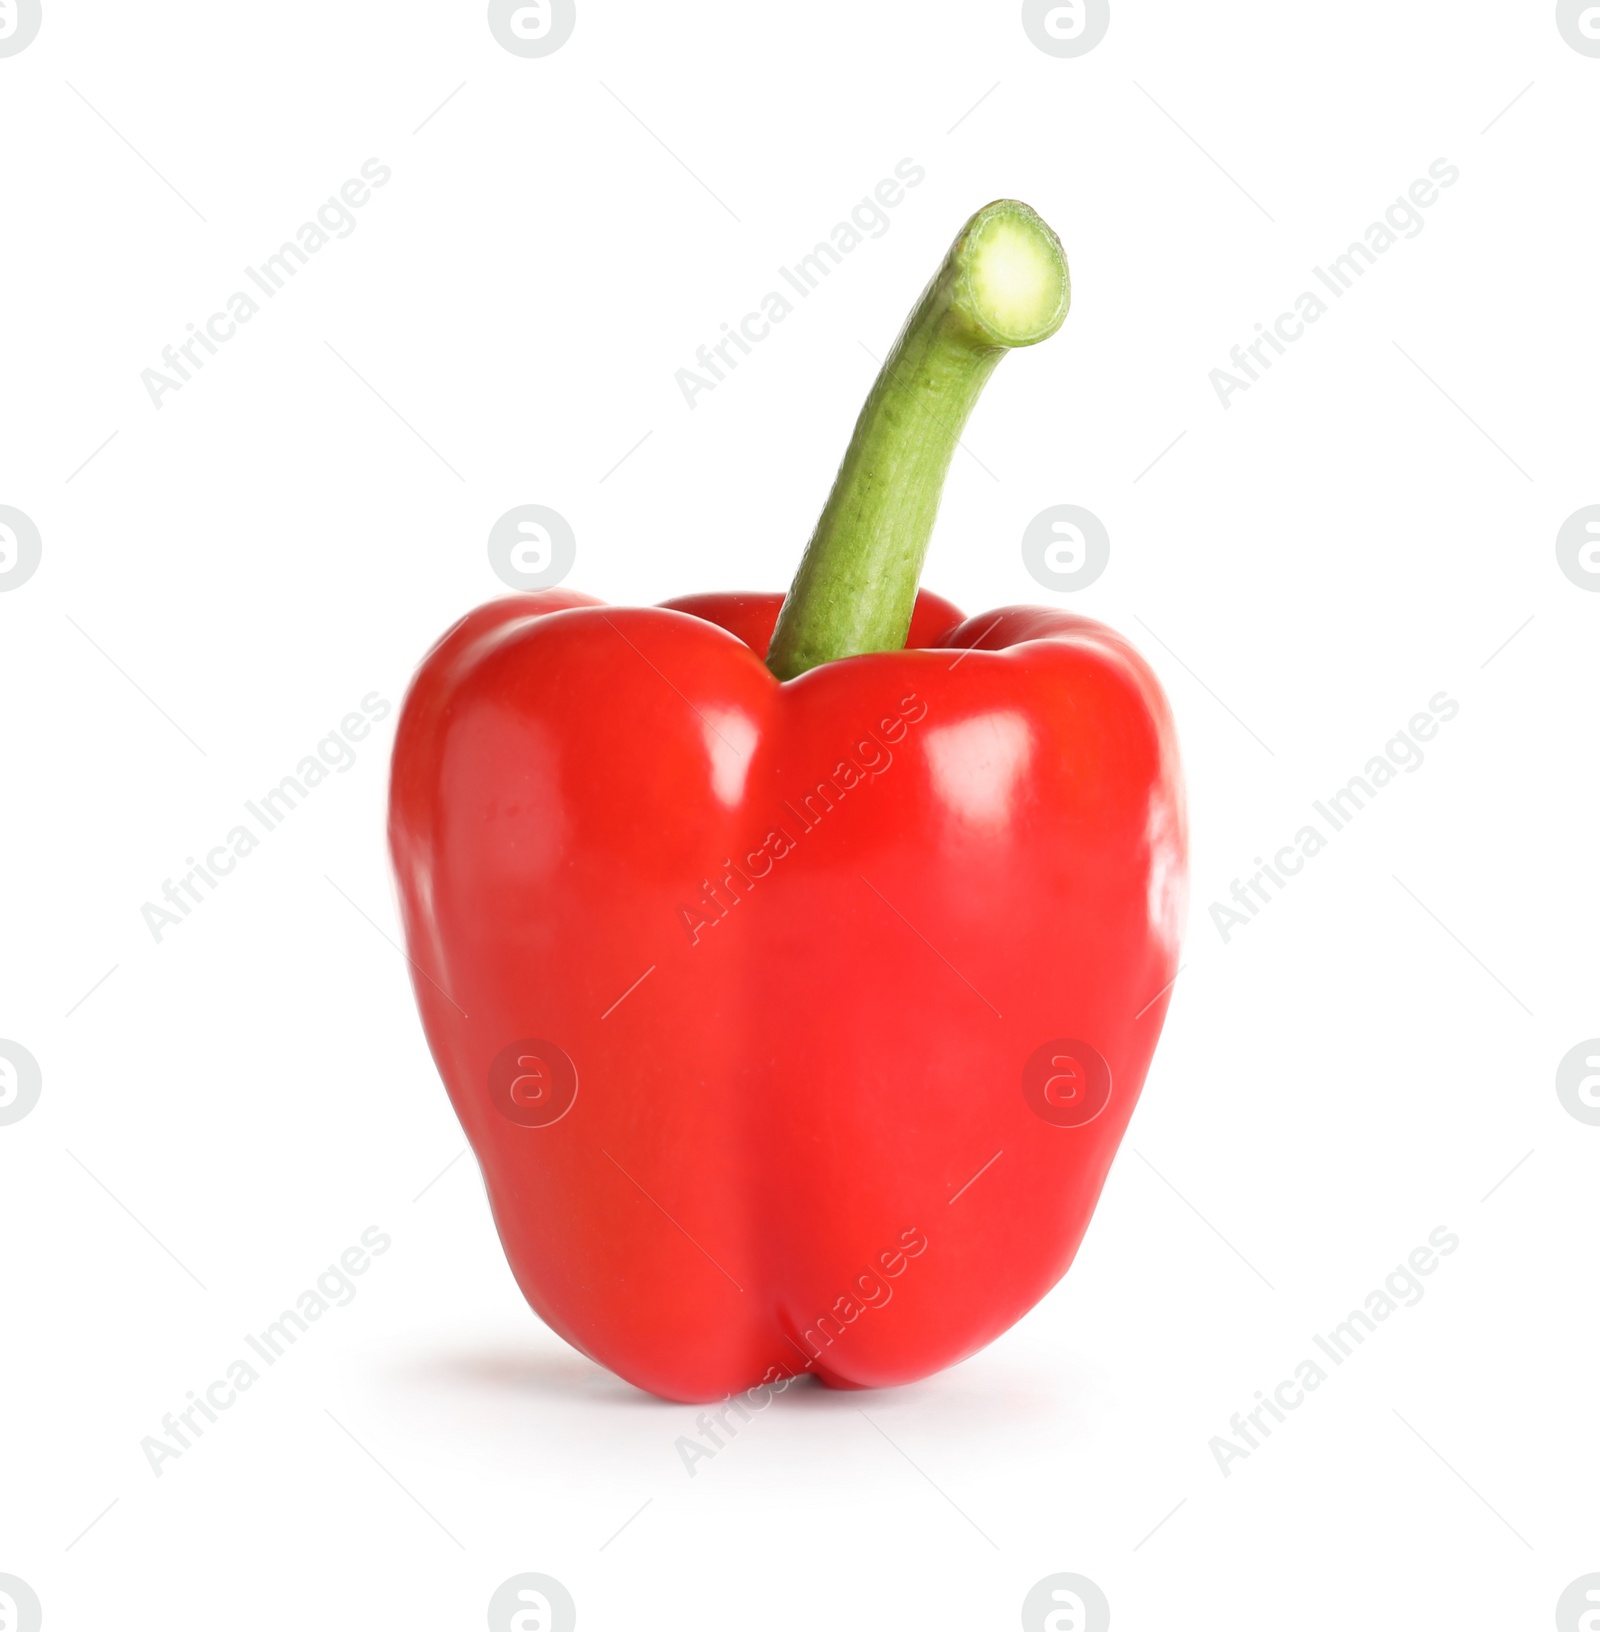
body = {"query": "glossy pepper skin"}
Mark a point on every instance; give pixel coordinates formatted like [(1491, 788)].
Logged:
[(829, 964)]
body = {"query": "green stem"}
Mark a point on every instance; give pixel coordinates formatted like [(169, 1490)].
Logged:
[(1003, 284)]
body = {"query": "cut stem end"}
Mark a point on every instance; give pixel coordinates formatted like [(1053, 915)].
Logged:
[(1012, 279)]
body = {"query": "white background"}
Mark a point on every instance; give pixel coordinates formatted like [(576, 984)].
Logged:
[(230, 574)]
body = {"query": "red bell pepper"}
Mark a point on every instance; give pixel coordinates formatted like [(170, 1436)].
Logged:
[(795, 1001)]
